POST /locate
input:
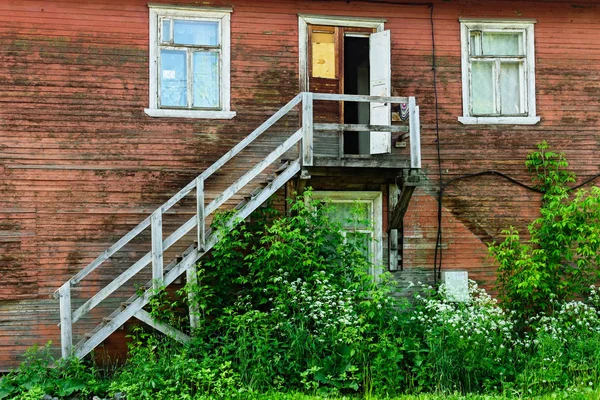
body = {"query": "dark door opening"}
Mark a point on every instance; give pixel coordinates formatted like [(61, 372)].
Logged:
[(356, 81)]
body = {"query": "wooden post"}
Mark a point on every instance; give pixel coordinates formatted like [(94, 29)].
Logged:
[(307, 129), (157, 249), (393, 233), (66, 327), (415, 134), (192, 281), (200, 213)]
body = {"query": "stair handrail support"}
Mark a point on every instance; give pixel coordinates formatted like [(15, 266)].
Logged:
[(306, 155), (303, 136), (154, 221)]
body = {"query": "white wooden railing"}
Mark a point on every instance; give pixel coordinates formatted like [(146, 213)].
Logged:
[(304, 135)]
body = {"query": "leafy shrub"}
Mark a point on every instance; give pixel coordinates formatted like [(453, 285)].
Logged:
[(40, 374), (467, 347), (565, 347), (286, 303), (563, 255)]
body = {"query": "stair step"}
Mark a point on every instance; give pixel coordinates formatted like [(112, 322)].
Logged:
[(253, 194), (282, 167), (109, 325)]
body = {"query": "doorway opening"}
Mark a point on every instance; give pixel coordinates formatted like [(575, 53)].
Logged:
[(350, 56), (356, 81)]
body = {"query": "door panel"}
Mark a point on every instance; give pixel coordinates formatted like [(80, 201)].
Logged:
[(380, 85), (325, 74)]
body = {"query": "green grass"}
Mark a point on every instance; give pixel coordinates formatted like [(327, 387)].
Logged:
[(581, 394)]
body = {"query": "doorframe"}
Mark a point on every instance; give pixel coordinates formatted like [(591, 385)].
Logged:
[(327, 20)]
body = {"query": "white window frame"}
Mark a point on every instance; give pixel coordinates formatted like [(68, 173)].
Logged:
[(221, 15), (529, 117), (375, 199)]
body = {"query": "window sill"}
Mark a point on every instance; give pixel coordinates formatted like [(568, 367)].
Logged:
[(499, 120), (165, 113)]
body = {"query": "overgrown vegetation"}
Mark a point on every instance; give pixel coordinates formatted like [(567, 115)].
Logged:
[(562, 257), (288, 311)]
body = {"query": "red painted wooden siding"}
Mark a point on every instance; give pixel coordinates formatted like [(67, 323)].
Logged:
[(80, 162)]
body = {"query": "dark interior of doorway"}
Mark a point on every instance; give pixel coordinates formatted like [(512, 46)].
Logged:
[(356, 81)]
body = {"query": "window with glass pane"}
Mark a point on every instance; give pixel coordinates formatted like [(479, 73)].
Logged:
[(189, 63), (496, 78), (356, 218), (498, 70)]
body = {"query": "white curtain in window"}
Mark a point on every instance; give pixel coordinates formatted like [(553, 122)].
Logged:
[(510, 88), (482, 87), (502, 44)]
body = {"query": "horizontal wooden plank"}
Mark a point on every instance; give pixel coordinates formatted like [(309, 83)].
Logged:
[(360, 98), (360, 127)]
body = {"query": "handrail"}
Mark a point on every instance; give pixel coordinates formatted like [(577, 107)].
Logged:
[(184, 192), (360, 98), (185, 228), (155, 220)]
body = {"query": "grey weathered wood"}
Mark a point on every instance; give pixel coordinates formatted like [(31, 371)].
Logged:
[(248, 139), (178, 234), (110, 251), (393, 235), (112, 286), (66, 326), (157, 249), (415, 134), (187, 262), (366, 162), (200, 216), (393, 238), (359, 98), (192, 281), (360, 127), (400, 210), (307, 129), (162, 327), (234, 151), (253, 173)]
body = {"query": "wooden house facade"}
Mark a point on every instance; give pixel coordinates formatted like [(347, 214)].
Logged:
[(109, 108)]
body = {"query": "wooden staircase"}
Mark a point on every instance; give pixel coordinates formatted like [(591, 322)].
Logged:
[(205, 239)]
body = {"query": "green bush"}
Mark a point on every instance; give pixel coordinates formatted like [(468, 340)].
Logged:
[(288, 310), (562, 257), (40, 374)]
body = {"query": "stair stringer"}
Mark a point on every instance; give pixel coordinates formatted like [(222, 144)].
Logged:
[(85, 346)]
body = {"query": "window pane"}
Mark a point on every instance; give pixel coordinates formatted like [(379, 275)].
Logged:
[(510, 88), (475, 43), (166, 30), (206, 79), (362, 241), (482, 88), (502, 44), (323, 55), (351, 215), (173, 78), (204, 33)]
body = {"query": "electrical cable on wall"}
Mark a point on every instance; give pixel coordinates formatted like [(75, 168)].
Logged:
[(438, 254)]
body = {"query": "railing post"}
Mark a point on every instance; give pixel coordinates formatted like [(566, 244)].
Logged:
[(66, 326), (415, 133), (157, 249), (200, 214), (307, 129), (191, 276)]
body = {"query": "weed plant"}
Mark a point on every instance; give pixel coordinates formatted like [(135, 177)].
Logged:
[(288, 310)]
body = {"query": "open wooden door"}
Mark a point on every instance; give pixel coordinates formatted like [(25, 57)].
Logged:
[(380, 85)]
